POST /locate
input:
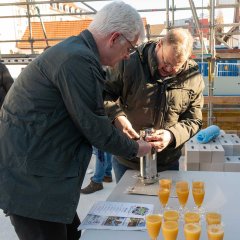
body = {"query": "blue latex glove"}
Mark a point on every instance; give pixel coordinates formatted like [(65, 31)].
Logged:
[(208, 134)]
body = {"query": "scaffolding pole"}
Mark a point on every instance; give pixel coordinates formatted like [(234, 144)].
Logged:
[(173, 8), (30, 28), (167, 15), (48, 2), (211, 63), (196, 21), (42, 25)]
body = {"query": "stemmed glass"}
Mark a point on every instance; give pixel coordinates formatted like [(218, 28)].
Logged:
[(213, 218), (191, 217), (198, 191), (215, 232), (163, 194), (171, 215), (165, 182), (153, 224), (170, 230), (164, 191), (182, 191), (192, 231)]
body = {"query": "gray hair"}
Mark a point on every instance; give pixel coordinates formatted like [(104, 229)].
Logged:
[(181, 41), (119, 17)]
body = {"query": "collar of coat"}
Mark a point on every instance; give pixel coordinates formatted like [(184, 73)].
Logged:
[(89, 41)]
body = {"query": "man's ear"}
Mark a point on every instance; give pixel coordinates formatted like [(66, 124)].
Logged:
[(114, 37), (159, 44)]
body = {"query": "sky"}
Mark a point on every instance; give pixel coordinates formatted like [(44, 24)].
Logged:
[(154, 17)]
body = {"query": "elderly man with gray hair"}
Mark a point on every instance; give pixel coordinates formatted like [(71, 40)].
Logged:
[(50, 119), (159, 87)]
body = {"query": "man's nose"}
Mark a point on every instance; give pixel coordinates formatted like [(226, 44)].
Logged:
[(168, 68)]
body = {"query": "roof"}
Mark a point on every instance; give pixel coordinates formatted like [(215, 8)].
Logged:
[(156, 29), (54, 30)]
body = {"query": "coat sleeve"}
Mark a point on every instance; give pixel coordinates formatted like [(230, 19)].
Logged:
[(190, 122), (7, 79), (81, 84), (113, 91)]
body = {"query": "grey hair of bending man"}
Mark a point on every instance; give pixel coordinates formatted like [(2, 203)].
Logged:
[(118, 17), (181, 41)]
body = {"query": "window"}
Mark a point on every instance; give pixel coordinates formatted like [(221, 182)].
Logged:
[(54, 5), (72, 10), (61, 7), (66, 8)]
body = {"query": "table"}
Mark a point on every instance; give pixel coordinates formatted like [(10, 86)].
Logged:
[(222, 193)]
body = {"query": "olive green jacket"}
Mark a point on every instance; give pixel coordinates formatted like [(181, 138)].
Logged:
[(135, 89)]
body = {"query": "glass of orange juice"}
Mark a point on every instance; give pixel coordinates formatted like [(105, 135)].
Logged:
[(198, 191), (191, 217), (215, 232), (170, 230), (165, 182), (182, 191), (171, 215), (153, 225), (192, 231), (163, 194), (213, 218)]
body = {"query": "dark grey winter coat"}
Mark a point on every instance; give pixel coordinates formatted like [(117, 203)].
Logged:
[(49, 121)]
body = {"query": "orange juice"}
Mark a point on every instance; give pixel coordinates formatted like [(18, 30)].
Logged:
[(182, 196), (213, 218), (215, 232), (198, 195), (170, 230), (171, 215), (197, 184), (153, 224), (192, 231), (165, 183), (182, 191), (191, 217), (181, 184), (163, 195)]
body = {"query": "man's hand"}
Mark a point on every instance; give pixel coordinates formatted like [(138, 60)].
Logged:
[(160, 139), (144, 148), (123, 124)]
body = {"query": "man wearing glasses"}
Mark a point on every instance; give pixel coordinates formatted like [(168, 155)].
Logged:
[(52, 116), (157, 87)]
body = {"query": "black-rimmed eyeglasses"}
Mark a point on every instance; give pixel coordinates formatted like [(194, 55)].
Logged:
[(132, 49), (171, 67)]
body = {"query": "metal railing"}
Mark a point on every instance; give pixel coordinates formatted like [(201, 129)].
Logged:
[(228, 69), (225, 69)]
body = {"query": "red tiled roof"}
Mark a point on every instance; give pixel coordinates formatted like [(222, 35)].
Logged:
[(55, 29), (157, 29)]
